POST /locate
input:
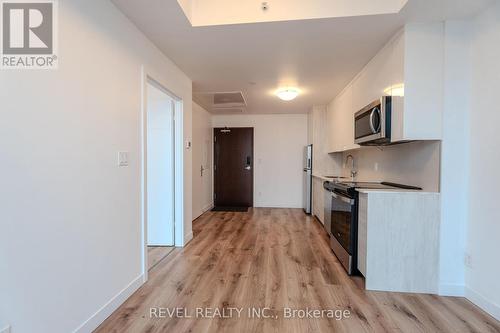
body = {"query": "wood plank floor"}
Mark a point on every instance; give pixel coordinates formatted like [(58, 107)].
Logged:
[(277, 259), (157, 254)]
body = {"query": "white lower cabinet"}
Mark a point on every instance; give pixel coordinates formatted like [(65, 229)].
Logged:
[(398, 241), (318, 199), (362, 231)]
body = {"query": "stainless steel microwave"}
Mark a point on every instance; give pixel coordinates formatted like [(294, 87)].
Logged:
[(372, 124)]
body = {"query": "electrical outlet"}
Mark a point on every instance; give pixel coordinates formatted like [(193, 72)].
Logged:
[(468, 260)]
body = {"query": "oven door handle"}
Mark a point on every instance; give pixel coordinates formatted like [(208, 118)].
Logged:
[(343, 199)]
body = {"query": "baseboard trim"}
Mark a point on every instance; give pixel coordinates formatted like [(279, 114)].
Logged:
[(100, 316), (203, 211), (285, 206), (455, 290), (481, 301), (208, 207), (318, 219), (188, 238)]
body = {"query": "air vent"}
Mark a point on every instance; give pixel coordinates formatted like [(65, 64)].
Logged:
[(227, 110), (221, 102), (229, 100)]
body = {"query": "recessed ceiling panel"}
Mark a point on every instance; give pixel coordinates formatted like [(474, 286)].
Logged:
[(221, 101), (229, 98), (221, 12)]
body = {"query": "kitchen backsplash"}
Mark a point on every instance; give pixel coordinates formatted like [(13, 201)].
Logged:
[(415, 163)]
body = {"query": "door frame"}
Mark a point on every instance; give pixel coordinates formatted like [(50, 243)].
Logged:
[(253, 162), (148, 77), (173, 104)]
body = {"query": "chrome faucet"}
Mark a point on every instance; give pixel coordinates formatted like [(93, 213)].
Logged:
[(353, 169)]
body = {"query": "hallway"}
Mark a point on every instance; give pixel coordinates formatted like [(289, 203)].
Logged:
[(277, 259)]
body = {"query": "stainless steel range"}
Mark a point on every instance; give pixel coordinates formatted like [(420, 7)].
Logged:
[(341, 218)]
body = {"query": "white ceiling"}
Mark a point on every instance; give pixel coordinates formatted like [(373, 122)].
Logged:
[(319, 56)]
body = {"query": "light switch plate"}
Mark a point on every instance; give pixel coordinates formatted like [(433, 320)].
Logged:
[(123, 159)]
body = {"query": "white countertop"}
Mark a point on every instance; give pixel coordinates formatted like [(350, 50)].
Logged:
[(325, 178), (395, 190), (367, 191)]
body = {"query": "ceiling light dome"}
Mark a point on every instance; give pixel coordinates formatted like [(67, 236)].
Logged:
[(287, 94)]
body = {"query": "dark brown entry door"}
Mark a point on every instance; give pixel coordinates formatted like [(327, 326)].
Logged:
[(233, 171)]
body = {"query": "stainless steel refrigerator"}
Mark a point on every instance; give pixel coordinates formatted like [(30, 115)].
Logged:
[(308, 152)]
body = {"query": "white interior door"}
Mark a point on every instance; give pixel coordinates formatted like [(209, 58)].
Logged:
[(160, 167), (202, 161)]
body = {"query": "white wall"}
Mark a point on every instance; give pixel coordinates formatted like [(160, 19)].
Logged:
[(202, 156), (279, 142), (454, 158), (415, 163), (70, 235), (310, 126), (483, 243)]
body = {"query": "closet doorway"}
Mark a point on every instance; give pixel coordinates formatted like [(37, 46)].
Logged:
[(160, 166)]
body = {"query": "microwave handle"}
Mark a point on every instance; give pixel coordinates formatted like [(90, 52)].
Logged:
[(372, 114)]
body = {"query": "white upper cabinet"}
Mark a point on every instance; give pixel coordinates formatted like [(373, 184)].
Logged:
[(384, 71), (424, 78), (341, 122), (411, 63)]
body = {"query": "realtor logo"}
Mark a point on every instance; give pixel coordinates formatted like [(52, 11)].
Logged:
[(29, 34)]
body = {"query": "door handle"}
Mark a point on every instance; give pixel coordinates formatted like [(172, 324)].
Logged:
[(248, 165), (372, 115)]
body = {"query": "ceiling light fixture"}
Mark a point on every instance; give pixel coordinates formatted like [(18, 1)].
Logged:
[(287, 94)]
